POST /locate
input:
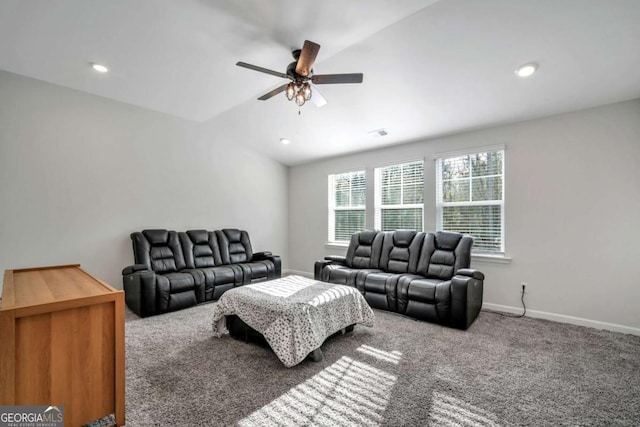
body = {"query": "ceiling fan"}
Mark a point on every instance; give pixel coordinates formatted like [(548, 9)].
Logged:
[(300, 72)]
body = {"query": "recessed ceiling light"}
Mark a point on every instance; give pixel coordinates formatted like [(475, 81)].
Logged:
[(527, 69), (99, 68), (285, 141)]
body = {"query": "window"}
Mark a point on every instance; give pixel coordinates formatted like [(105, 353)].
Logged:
[(347, 200), (399, 197), (470, 197)]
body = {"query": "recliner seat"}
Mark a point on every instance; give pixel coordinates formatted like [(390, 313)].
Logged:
[(399, 256), (362, 257), (160, 284), (178, 270), (422, 275), (236, 251), (202, 253)]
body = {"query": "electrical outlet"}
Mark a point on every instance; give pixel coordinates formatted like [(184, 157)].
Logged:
[(525, 287)]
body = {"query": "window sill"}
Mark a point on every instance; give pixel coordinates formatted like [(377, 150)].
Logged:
[(496, 259)]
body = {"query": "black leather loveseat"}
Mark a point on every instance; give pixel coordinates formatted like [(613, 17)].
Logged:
[(423, 275), (175, 270)]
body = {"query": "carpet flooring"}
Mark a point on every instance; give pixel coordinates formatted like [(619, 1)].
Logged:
[(402, 372)]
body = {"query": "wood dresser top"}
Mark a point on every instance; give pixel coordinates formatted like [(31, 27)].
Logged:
[(35, 286)]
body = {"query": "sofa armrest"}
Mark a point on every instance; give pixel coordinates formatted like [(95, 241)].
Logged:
[(466, 299), (470, 272), (329, 259), (275, 259), (336, 259), (262, 255), (133, 268), (318, 267), (140, 290)]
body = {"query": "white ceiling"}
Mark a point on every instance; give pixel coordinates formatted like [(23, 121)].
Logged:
[(430, 67)]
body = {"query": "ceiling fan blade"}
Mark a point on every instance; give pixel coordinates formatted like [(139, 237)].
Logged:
[(273, 93), (307, 58), (328, 79), (262, 70), (317, 98)]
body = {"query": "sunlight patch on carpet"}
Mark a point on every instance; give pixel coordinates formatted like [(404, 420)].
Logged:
[(387, 356), (449, 411), (348, 392)]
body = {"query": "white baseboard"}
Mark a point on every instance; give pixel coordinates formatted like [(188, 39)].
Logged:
[(564, 319), (530, 313), (289, 272)]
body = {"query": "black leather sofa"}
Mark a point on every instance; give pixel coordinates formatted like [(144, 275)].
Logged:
[(422, 275), (175, 270)]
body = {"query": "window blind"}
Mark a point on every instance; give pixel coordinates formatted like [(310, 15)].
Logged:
[(470, 198), (347, 203), (399, 196)]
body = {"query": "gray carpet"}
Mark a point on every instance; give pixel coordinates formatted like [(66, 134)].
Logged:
[(501, 371)]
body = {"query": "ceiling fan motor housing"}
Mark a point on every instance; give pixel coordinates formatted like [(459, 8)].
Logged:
[(291, 71)]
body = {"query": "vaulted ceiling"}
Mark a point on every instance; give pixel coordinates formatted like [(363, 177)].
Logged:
[(430, 67)]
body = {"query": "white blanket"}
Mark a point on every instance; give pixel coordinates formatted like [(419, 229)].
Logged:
[(295, 314)]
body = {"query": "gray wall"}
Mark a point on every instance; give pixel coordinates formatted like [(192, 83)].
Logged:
[(572, 212), (79, 173)]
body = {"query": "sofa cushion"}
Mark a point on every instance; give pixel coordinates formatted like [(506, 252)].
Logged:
[(257, 271), (423, 290), (156, 237), (178, 290), (200, 248), (218, 279), (158, 250), (179, 282), (401, 251), (235, 246), (444, 253), (429, 299), (377, 282), (403, 238), (220, 275), (203, 256), (364, 249), (162, 259)]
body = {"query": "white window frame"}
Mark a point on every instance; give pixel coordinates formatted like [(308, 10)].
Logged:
[(440, 204), (332, 204), (378, 206)]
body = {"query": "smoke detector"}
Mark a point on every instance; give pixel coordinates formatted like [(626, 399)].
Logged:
[(379, 132)]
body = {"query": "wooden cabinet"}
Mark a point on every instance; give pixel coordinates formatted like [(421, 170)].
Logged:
[(62, 343)]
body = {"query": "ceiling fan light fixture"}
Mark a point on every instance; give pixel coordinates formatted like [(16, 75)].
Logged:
[(306, 91), (290, 91), (300, 100)]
